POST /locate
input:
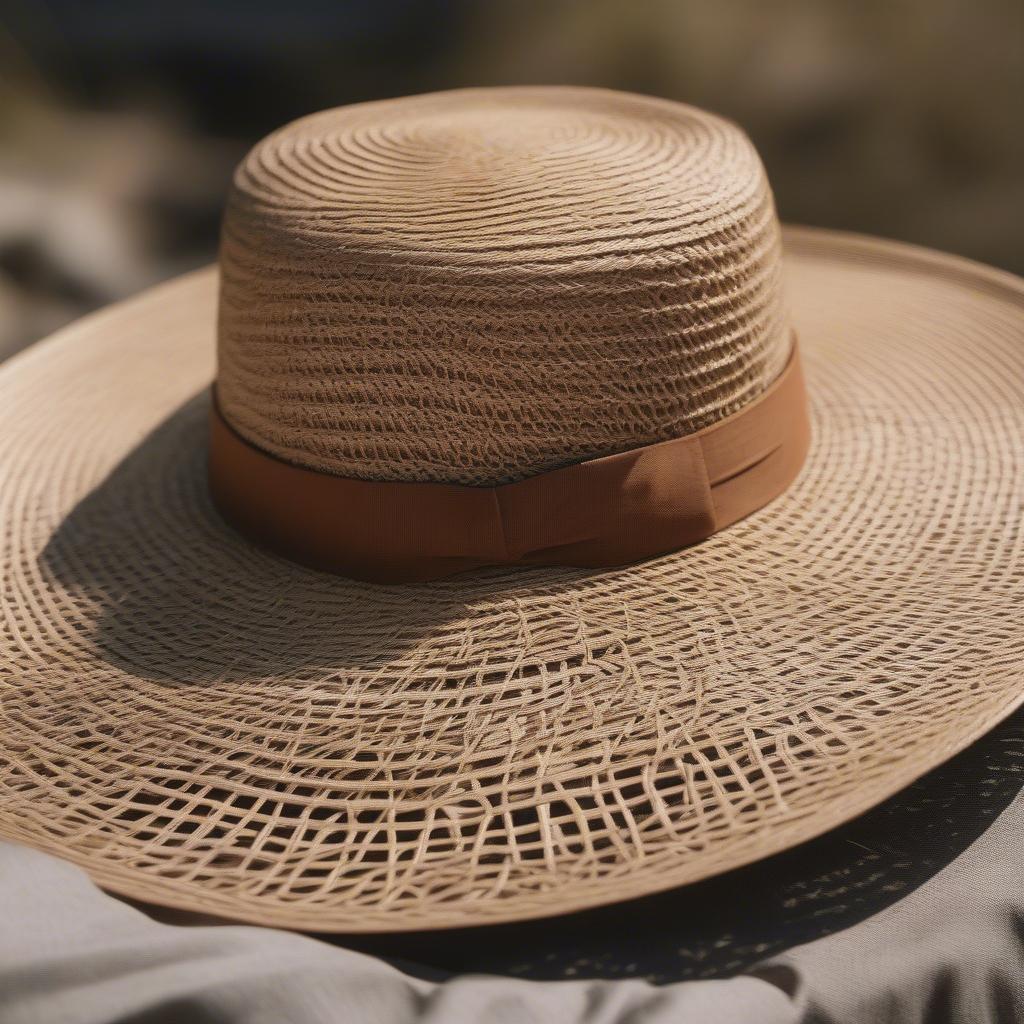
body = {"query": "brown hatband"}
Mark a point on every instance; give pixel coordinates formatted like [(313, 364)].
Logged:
[(609, 511)]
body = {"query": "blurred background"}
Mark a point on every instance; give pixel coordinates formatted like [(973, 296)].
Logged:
[(121, 120)]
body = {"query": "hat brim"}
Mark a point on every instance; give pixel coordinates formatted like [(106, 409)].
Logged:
[(203, 725)]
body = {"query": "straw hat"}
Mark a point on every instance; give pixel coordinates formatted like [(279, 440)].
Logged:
[(541, 361)]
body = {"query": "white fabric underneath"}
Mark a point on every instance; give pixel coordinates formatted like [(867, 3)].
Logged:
[(951, 951)]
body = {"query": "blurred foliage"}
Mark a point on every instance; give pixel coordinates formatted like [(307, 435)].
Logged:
[(120, 121)]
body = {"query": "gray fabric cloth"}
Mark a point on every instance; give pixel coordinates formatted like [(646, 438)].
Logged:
[(952, 951)]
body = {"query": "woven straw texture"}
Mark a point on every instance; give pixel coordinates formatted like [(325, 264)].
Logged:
[(202, 724), (480, 285)]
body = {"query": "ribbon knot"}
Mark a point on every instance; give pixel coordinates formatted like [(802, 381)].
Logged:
[(613, 510)]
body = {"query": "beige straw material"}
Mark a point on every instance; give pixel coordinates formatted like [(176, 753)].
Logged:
[(523, 278), (202, 724)]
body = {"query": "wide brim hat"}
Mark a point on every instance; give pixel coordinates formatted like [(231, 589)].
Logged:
[(202, 723)]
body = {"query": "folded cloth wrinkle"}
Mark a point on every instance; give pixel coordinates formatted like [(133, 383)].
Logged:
[(951, 952)]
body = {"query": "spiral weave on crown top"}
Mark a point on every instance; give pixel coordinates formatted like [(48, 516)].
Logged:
[(477, 286)]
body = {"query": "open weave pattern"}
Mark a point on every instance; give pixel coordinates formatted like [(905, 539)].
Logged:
[(476, 286), (200, 723)]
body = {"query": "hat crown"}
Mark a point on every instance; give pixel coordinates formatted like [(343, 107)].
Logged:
[(477, 286)]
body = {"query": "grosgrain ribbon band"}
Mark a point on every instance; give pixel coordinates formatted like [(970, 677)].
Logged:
[(609, 511)]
